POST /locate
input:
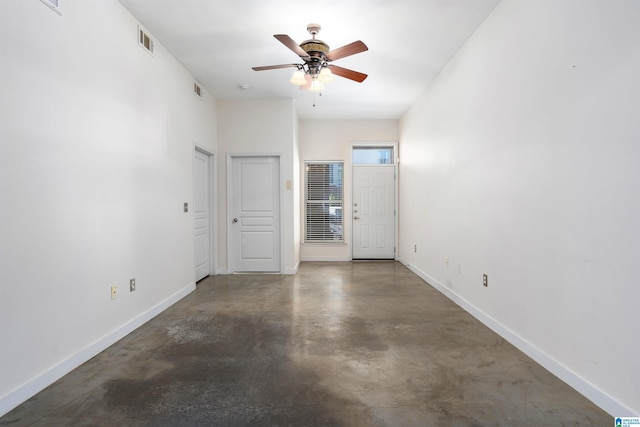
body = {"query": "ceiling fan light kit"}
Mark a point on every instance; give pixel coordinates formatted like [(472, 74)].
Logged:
[(298, 78), (316, 56), (325, 76), (316, 86)]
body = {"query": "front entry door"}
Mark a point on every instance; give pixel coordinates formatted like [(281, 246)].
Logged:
[(254, 221), (373, 212)]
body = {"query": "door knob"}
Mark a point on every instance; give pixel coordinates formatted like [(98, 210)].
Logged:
[(356, 217), (235, 220)]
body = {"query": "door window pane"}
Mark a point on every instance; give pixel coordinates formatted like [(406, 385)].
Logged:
[(372, 156)]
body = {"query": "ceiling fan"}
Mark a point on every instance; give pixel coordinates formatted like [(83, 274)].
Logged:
[(316, 68)]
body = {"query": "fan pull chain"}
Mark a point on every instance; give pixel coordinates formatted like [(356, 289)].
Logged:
[(314, 98)]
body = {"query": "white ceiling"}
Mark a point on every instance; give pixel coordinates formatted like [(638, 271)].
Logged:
[(409, 42)]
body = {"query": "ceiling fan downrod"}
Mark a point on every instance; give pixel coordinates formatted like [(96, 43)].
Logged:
[(313, 29)]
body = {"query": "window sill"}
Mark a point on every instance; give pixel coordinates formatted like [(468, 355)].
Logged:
[(324, 244)]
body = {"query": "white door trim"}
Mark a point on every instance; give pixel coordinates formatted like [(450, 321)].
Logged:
[(213, 217), (396, 161), (230, 157)]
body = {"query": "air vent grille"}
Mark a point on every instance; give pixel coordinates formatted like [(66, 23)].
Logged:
[(197, 89), (145, 40), (56, 5)]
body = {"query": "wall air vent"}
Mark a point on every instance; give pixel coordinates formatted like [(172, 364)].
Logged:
[(197, 89), (145, 40), (56, 5)]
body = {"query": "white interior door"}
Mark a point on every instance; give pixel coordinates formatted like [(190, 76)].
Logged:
[(201, 215), (373, 212), (255, 214)]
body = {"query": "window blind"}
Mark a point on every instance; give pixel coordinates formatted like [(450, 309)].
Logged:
[(324, 202)]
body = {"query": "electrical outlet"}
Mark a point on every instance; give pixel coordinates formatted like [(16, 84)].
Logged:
[(446, 263), (485, 280), (415, 248), (459, 268), (132, 284), (114, 292)]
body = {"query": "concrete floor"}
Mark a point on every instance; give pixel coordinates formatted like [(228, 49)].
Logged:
[(339, 344)]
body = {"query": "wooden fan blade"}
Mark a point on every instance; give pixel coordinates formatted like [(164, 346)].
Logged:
[(348, 74), (348, 50), (273, 67), (291, 44)]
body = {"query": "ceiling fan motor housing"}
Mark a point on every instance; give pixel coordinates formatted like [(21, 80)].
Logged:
[(315, 46), (316, 49)]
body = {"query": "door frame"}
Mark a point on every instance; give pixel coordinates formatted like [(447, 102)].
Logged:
[(396, 160), (213, 218), (230, 157)]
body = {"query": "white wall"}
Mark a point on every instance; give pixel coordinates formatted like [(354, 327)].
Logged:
[(96, 151), (260, 127), (332, 140), (521, 162)]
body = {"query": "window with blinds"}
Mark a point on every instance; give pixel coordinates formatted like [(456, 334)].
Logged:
[(324, 202)]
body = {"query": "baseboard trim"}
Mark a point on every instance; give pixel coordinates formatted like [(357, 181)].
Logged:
[(31, 388), (293, 270), (584, 387)]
